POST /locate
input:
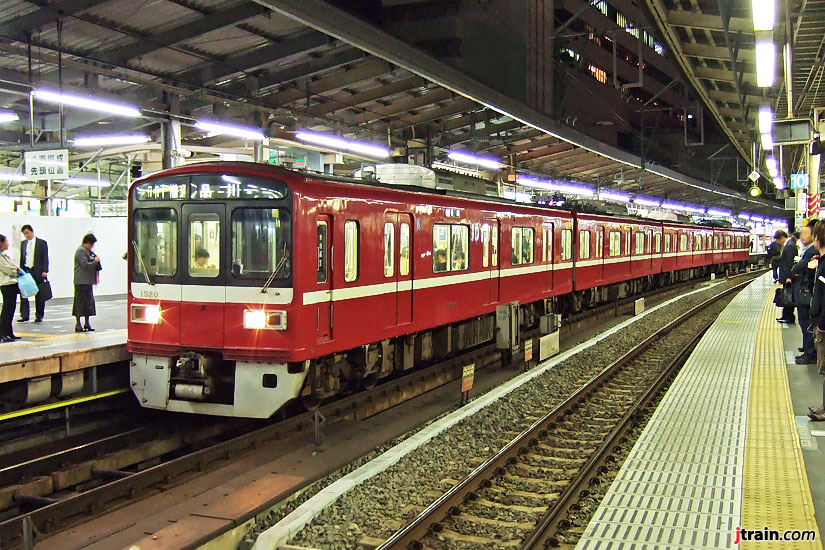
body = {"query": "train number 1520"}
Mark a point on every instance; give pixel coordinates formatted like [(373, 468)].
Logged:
[(148, 294)]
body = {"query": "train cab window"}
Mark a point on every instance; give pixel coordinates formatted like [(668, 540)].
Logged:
[(485, 245), (615, 244), (668, 239), (351, 250), (156, 241), (566, 244), (599, 243), (204, 245), (450, 247), (262, 244), (584, 244), (657, 243), (640, 243), (404, 250), (494, 246), (389, 249)]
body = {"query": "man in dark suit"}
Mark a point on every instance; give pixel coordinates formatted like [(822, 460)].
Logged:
[(803, 283), (34, 259), (773, 252), (786, 261)]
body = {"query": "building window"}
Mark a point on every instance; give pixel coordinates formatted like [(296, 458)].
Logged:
[(566, 244), (389, 249), (584, 244), (351, 250)]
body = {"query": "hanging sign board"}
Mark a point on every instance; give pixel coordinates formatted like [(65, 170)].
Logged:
[(799, 181), (47, 165)]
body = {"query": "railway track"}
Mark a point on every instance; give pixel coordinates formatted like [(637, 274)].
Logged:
[(94, 485), (521, 497)]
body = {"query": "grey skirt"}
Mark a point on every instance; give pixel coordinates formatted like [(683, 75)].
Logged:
[(84, 301)]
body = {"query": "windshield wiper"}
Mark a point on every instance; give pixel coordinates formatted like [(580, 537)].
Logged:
[(271, 278), (142, 264)]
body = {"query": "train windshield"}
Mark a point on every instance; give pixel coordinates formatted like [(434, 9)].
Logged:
[(156, 238), (261, 243)]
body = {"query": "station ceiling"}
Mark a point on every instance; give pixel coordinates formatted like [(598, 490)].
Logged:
[(265, 63)]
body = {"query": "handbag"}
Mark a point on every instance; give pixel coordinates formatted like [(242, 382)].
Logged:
[(779, 297), (27, 285), (44, 291)]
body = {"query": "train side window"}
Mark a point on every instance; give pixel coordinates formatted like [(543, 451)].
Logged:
[(615, 244), (668, 239), (485, 245), (716, 242), (516, 241), (584, 244), (351, 250), (204, 245), (599, 243), (627, 243), (404, 250), (494, 246), (322, 233), (566, 244), (441, 248), (460, 236), (389, 249), (697, 242), (548, 244), (527, 245), (640, 243), (657, 243), (727, 241), (544, 238)]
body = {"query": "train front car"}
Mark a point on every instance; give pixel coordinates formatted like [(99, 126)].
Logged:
[(210, 290)]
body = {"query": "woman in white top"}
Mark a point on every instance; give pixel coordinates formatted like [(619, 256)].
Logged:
[(8, 287)]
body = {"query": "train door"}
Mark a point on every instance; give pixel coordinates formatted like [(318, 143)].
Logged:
[(203, 294), (490, 235), (547, 254), (398, 255), (323, 277)]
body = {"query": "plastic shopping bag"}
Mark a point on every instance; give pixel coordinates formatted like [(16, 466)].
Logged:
[(27, 285)]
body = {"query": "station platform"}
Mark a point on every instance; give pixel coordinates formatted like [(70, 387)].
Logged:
[(53, 347), (725, 451)]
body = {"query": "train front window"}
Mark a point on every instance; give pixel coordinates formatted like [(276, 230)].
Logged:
[(204, 245), (156, 238), (262, 243)]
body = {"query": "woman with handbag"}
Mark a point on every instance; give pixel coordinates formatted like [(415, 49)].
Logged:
[(8, 287), (86, 266)]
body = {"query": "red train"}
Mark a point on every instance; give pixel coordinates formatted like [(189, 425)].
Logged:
[(252, 286)]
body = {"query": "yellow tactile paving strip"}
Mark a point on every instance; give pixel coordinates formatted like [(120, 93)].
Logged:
[(44, 339), (775, 487)]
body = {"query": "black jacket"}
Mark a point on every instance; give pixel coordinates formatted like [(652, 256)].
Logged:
[(773, 250), (41, 258), (817, 311), (787, 259), (803, 276)]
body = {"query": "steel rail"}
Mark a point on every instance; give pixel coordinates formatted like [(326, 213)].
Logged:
[(431, 519)]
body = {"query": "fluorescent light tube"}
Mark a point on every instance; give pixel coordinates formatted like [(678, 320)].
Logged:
[(765, 120), (89, 103), (559, 187), (86, 182), (777, 181), (466, 158), (97, 141), (767, 142), (644, 201), (764, 14), (342, 144), (607, 195), (8, 116), (719, 213), (230, 130), (765, 63)]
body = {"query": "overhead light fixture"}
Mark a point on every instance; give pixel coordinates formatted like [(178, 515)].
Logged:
[(608, 195), (98, 141), (773, 171), (767, 142), (765, 120), (466, 158), (765, 63), (779, 183), (8, 116), (220, 128), (764, 14), (342, 144), (644, 201), (89, 103), (718, 213), (754, 191), (558, 187), (744, 216), (683, 207), (86, 182), (770, 162)]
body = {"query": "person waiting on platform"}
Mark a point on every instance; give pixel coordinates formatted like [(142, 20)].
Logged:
[(802, 276), (440, 261), (34, 259), (8, 288), (86, 266), (786, 261), (817, 312), (773, 252)]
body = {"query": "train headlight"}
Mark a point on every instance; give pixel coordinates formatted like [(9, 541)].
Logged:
[(148, 314), (258, 319)]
